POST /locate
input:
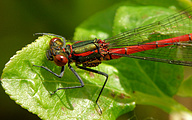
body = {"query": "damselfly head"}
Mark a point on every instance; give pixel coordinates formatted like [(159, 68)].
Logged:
[(56, 51)]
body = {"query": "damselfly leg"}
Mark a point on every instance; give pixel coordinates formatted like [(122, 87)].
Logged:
[(101, 73)]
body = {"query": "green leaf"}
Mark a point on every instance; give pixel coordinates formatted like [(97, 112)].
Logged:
[(186, 85), (30, 87)]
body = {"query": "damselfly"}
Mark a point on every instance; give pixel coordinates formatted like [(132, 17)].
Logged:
[(167, 40)]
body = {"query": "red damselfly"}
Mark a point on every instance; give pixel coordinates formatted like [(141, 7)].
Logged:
[(167, 40)]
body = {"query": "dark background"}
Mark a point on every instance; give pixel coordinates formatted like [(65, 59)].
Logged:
[(20, 19)]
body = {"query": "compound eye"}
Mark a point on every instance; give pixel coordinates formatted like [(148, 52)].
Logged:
[(60, 60), (56, 41)]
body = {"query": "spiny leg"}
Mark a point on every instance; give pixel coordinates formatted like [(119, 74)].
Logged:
[(101, 73), (78, 77), (61, 74)]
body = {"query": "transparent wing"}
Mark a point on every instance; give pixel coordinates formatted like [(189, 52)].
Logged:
[(176, 25)]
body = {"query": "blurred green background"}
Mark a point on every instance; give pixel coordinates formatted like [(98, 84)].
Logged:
[(21, 19)]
